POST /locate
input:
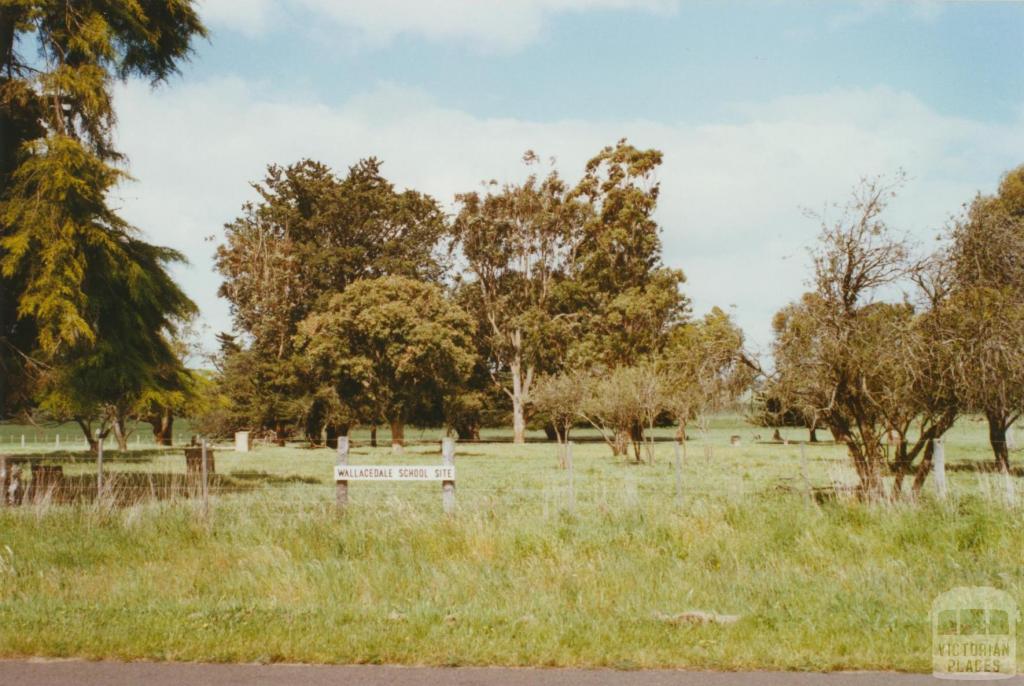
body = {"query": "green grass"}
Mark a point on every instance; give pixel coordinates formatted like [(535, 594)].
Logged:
[(273, 573)]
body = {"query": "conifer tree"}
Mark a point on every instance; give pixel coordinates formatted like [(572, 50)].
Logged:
[(86, 305)]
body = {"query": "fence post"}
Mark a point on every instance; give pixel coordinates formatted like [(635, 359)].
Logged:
[(341, 487), (448, 487), (99, 465), (56, 442), (206, 482), (939, 465), (803, 471), (572, 476), (679, 472), (5, 477), (23, 440), (1011, 496)]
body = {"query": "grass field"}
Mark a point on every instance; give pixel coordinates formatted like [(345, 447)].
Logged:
[(517, 576)]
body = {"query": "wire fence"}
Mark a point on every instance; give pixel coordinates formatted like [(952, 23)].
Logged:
[(678, 478)]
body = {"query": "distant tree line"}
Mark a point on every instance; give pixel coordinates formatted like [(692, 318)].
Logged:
[(536, 302)]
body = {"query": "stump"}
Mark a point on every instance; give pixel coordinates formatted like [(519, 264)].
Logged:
[(194, 461), (47, 479)]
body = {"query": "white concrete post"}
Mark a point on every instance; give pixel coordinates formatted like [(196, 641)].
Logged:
[(448, 487)]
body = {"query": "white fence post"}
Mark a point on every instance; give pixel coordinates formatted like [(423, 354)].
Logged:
[(4, 478), (99, 465), (1011, 495), (803, 471), (679, 472), (341, 487), (448, 487), (572, 476), (939, 465), (206, 482)]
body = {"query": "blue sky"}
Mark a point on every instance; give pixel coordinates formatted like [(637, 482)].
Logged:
[(690, 61), (761, 109)]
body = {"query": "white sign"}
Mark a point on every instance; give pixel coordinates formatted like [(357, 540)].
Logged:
[(394, 473)]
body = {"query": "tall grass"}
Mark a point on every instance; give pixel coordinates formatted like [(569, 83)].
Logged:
[(514, 578)]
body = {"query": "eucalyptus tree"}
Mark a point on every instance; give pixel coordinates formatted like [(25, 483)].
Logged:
[(627, 299), (81, 293), (517, 242)]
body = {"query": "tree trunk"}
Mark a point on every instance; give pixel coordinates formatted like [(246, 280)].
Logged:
[(997, 423), (466, 426), (94, 445), (467, 431), (813, 437), (867, 460), (373, 436), (518, 421), (397, 435), (924, 468), (163, 428), (681, 431), (520, 392), (620, 444), (9, 142), (551, 431), (120, 434), (636, 435)]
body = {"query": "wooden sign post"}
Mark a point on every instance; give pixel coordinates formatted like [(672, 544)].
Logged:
[(445, 473)]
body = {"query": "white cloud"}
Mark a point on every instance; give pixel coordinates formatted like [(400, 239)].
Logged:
[(731, 194), (248, 17), (490, 24)]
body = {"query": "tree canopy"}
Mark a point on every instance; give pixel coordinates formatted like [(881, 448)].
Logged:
[(85, 302), (395, 346), (309, 237)]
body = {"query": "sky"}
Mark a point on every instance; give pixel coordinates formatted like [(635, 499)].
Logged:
[(763, 110)]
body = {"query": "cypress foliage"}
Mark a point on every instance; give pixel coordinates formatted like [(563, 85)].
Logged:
[(87, 307)]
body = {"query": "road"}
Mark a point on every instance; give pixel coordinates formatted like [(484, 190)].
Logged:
[(78, 673)]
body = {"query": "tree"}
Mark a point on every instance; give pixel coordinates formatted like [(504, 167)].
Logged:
[(703, 367), (985, 312), (62, 249), (628, 301), (560, 397), (858, 362), (517, 244), (621, 403), (399, 341), (797, 351), (309, 237)]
